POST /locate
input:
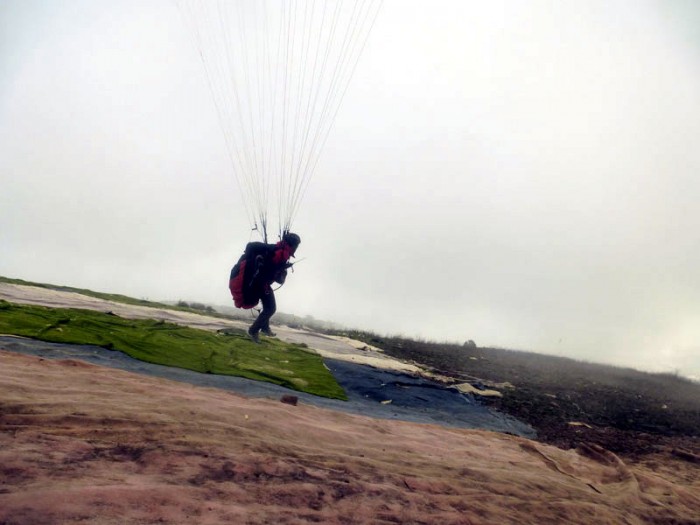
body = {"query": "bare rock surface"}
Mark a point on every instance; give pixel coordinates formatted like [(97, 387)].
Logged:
[(86, 443), (81, 443)]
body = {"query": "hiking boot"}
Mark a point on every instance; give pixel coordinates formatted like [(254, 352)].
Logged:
[(254, 337), (268, 332)]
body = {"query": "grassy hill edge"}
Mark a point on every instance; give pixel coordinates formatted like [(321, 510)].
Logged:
[(159, 342), (117, 298)]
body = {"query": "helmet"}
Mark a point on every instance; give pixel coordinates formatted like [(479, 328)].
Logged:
[(292, 239)]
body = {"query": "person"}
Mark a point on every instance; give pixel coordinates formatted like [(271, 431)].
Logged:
[(252, 276)]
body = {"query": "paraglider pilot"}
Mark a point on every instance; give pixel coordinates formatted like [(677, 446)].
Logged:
[(252, 276)]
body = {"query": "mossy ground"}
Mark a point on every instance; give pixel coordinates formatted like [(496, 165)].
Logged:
[(229, 353)]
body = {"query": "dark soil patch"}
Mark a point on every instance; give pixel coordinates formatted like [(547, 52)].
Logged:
[(570, 402)]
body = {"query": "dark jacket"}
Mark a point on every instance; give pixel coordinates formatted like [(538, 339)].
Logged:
[(262, 264)]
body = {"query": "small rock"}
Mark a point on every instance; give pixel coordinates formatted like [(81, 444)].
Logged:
[(290, 400)]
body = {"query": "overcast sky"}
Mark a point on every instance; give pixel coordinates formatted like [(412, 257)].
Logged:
[(523, 174)]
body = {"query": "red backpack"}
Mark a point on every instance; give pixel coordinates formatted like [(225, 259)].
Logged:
[(235, 285), (245, 288)]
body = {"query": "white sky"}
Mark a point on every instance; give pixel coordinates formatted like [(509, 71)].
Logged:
[(523, 174)]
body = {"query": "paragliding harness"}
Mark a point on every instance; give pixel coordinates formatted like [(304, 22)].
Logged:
[(250, 277)]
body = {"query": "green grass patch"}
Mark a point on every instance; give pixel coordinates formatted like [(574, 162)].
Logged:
[(225, 353)]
